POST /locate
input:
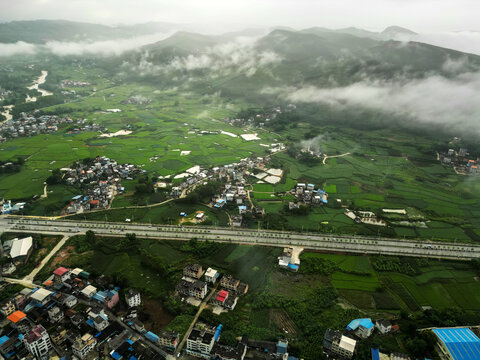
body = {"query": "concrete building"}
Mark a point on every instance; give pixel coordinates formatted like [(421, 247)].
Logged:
[(38, 343), (55, 314), (168, 339), (20, 322), (211, 275), (383, 326), (133, 298), (8, 308), (362, 327), (83, 345), (200, 341), (41, 296), (61, 274), (338, 345), (88, 291), (193, 271)]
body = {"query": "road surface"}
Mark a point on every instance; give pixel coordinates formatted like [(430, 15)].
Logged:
[(309, 241)]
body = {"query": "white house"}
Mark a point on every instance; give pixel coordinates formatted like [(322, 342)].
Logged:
[(384, 326), (132, 297), (211, 275)]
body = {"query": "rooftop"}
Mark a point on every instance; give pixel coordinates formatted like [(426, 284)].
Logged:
[(40, 294), (366, 323), (16, 316), (20, 247), (462, 343), (60, 271), (347, 343)]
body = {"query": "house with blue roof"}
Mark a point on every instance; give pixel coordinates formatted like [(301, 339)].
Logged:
[(457, 344), (362, 327)]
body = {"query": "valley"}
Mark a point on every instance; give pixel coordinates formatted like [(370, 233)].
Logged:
[(223, 150)]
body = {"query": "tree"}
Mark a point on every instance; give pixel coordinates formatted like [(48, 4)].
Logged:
[(90, 237)]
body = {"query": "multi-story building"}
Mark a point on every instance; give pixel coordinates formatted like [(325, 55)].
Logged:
[(8, 308), (196, 289), (61, 274), (200, 341), (338, 345), (55, 314), (20, 322), (229, 283), (37, 342), (168, 339), (193, 271), (83, 345), (211, 275), (132, 297)]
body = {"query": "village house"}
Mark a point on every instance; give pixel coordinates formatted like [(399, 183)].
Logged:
[(193, 271)]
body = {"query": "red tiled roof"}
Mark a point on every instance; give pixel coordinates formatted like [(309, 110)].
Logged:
[(16, 316), (48, 283), (60, 271), (94, 202)]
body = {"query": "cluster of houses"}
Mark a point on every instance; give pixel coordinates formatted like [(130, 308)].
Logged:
[(102, 179), (342, 345), (72, 316), (306, 194), (6, 206), (262, 119), (137, 100), (461, 161), (73, 83), (5, 93), (202, 342), (225, 296), (29, 125)]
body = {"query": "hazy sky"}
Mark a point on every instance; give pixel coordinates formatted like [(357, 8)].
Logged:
[(218, 15)]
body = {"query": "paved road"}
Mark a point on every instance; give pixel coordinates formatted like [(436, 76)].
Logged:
[(309, 241)]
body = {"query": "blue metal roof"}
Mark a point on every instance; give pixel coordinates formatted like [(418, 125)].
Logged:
[(3, 339), (293, 266), (375, 354), (366, 323), (462, 343)]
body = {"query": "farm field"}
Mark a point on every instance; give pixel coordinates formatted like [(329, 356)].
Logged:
[(277, 299), (436, 284), (385, 170)]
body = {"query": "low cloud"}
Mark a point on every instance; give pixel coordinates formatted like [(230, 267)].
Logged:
[(465, 41), (17, 48), (104, 48), (239, 55), (452, 103)]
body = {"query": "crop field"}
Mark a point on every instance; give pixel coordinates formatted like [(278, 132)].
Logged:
[(171, 123), (438, 284), (165, 214)]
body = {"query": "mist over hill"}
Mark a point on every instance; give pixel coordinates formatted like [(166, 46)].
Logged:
[(340, 69)]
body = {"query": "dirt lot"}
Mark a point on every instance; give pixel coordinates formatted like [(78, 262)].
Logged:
[(154, 317)]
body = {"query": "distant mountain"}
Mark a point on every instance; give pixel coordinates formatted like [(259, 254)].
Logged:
[(315, 56), (42, 31), (390, 33), (393, 31)]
